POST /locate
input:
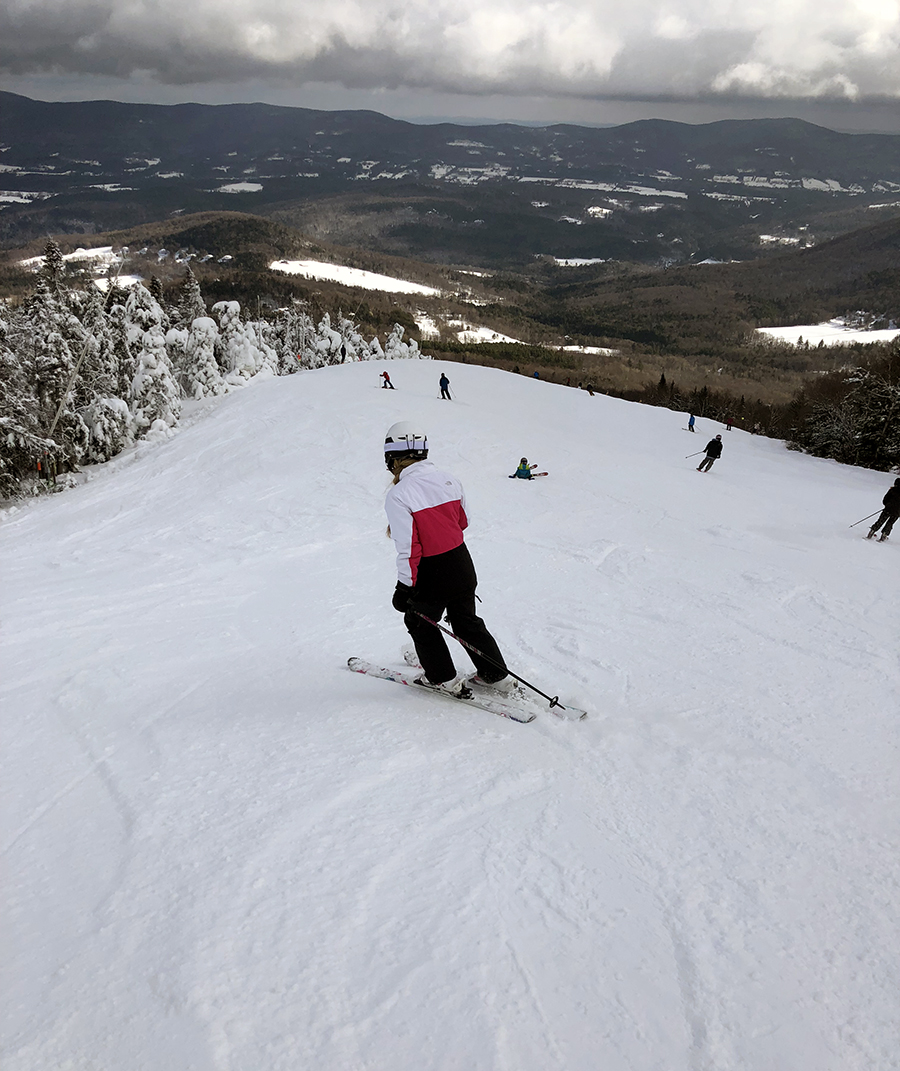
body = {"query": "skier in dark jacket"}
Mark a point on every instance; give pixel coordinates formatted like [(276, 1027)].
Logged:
[(889, 514), (713, 451), (445, 387)]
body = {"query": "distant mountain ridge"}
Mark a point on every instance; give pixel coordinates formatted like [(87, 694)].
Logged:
[(652, 191), (217, 140)]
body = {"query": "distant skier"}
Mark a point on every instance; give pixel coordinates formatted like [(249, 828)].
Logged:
[(523, 472), (387, 381), (445, 387), (426, 511), (713, 451), (728, 422), (889, 514), (691, 422)]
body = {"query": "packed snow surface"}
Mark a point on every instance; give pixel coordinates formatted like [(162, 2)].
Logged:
[(223, 850), (339, 273), (831, 332)]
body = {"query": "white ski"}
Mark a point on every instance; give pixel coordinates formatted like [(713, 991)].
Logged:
[(493, 705)]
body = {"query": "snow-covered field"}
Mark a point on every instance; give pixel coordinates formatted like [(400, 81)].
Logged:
[(339, 273), (223, 850), (473, 333), (831, 332), (102, 256)]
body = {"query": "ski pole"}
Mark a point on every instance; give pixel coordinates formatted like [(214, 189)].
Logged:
[(553, 701), (855, 523), (694, 454)]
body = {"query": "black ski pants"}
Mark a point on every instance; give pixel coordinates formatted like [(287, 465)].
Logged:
[(448, 582), (706, 464), (888, 519)]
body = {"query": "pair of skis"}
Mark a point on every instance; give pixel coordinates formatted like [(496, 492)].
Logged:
[(482, 697), (532, 476)]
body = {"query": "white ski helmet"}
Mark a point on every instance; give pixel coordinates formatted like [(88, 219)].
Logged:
[(405, 439)]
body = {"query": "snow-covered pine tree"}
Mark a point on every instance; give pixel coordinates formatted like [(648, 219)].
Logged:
[(190, 301), (98, 401), (25, 454), (375, 352), (48, 339), (328, 342), (198, 370), (155, 395), (54, 267), (396, 349), (354, 345), (241, 350), (155, 287), (306, 333)]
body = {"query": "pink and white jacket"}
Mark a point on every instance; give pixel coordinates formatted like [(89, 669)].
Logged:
[(427, 514)]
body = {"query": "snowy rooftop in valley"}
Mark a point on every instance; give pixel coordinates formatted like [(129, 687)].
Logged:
[(223, 850), (338, 273), (832, 333)]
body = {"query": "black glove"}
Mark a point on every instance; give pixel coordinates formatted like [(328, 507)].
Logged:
[(402, 594)]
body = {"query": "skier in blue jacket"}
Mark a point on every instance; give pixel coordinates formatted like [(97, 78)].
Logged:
[(523, 472)]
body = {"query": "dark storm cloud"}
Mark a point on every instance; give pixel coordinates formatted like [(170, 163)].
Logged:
[(827, 49)]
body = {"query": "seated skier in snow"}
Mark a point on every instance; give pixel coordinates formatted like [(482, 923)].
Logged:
[(523, 472)]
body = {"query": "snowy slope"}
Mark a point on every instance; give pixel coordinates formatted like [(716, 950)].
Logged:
[(223, 850)]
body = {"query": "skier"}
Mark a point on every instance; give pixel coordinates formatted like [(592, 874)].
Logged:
[(523, 472), (445, 387), (713, 451), (426, 511), (889, 514), (728, 422), (387, 381), (691, 422)]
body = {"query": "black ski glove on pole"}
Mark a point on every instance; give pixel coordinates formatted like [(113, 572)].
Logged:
[(402, 595)]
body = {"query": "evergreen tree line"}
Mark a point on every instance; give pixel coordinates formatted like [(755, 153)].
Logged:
[(851, 415), (85, 374)]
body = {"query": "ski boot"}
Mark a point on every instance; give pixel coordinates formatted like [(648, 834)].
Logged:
[(458, 688)]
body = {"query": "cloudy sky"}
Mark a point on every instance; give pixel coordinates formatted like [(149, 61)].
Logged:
[(598, 61)]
